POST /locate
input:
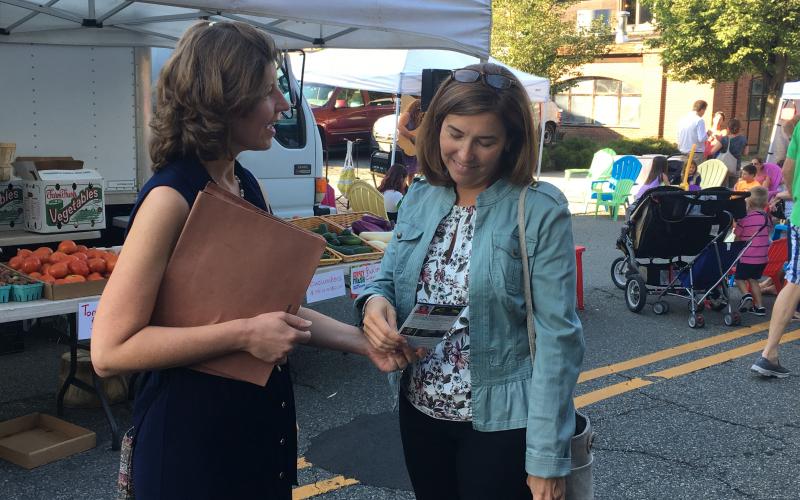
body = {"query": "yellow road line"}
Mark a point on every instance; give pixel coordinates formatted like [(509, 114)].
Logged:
[(722, 357), (684, 369), (610, 391), (302, 463), (670, 353), (320, 487)]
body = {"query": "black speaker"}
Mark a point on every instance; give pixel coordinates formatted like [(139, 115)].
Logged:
[(431, 79), (379, 162)]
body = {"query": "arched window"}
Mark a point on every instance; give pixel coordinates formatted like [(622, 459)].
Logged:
[(600, 101)]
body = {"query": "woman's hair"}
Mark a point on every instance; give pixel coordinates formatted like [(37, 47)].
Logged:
[(734, 126), (217, 73), (513, 109), (757, 160), (759, 196), (395, 179), (659, 166), (721, 117)]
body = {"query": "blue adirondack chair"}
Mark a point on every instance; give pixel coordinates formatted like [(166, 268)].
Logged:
[(612, 192)]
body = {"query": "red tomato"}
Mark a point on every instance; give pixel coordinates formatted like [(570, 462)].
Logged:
[(43, 253), (95, 277), (31, 265), (97, 265), (67, 246), (59, 270), (78, 267), (74, 278), (24, 253), (16, 262)]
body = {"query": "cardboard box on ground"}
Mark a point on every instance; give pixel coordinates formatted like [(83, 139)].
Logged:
[(38, 439), (60, 195)]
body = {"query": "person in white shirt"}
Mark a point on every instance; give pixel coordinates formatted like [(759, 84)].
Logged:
[(393, 188), (692, 129)]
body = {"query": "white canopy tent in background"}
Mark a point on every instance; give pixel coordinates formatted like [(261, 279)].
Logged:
[(398, 71), (778, 142), (460, 25)]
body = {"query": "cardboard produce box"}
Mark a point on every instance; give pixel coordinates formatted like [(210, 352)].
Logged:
[(11, 206), (73, 290), (38, 439), (59, 197)]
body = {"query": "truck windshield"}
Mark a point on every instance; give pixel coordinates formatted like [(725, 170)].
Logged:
[(316, 94)]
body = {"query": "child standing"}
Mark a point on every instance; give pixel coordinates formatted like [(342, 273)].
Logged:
[(747, 179), (756, 224)]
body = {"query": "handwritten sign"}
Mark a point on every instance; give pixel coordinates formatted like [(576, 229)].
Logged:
[(361, 276), (326, 286), (85, 316)]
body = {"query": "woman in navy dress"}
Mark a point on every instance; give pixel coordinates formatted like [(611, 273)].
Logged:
[(197, 435)]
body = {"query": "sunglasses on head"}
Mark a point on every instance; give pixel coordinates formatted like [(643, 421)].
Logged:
[(499, 82)]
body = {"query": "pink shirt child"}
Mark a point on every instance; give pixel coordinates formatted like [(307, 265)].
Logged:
[(751, 225)]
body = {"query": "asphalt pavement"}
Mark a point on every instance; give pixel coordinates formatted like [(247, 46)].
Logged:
[(676, 410)]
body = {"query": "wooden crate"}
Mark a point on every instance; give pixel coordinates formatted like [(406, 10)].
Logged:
[(310, 223), (346, 219)]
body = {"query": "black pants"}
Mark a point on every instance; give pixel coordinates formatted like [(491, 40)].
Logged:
[(452, 461)]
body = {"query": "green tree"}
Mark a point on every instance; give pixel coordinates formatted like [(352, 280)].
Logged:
[(720, 40), (535, 36)]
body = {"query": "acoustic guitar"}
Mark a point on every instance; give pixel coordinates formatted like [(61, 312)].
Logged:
[(685, 182)]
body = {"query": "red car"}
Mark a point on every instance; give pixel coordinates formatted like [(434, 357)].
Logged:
[(343, 114)]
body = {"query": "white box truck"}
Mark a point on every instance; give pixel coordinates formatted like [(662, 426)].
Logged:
[(94, 104)]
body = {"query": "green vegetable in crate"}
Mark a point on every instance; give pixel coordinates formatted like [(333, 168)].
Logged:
[(350, 240), (352, 249), (345, 232)]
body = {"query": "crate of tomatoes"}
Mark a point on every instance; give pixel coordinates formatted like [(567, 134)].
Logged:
[(69, 271)]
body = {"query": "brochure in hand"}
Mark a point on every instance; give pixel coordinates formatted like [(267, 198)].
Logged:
[(427, 324)]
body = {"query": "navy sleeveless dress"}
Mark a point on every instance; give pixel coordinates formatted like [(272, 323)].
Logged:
[(199, 436)]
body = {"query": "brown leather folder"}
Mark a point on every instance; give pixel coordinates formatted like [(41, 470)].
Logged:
[(233, 260)]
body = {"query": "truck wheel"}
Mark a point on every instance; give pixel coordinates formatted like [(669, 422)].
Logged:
[(549, 133)]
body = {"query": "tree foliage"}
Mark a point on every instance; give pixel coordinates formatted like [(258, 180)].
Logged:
[(720, 40), (533, 35)]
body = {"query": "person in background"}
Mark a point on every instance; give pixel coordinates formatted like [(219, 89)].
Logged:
[(656, 177), (747, 179), (407, 125), (692, 130), (197, 435), (477, 420), (788, 299), (735, 141), (757, 225), (715, 133), (693, 178), (393, 187)]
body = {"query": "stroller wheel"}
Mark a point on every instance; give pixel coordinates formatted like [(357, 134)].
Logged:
[(618, 269), (636, 294), (700, 306), (660, 307), (697, 321), (728, 319)]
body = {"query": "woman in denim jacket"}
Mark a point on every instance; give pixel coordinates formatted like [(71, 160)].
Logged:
[(476, 419)]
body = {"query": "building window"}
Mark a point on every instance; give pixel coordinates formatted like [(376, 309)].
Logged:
[(758, 95), (639, 14), (600, 101)]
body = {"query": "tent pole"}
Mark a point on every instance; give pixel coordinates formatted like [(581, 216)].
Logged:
[(396, 119), (770, 152), (541, 141)]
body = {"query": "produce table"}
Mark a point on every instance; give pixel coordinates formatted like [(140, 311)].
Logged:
[(18, 237), (18, 311)]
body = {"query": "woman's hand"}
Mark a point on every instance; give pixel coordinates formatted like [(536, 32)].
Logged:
[(552, 488), (380, 326), (391, 361), (271, 336)]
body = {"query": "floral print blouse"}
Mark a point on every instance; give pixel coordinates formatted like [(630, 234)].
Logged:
[(439, 384)]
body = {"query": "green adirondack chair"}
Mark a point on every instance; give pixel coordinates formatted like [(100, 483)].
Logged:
[(612, 201), (601, 165), (713, 173)]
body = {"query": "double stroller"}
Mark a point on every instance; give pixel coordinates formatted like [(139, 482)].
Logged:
[(673, 245)]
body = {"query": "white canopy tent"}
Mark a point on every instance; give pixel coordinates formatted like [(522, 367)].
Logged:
[(790, 100), (396, 71), (400, 72), (460, 25)]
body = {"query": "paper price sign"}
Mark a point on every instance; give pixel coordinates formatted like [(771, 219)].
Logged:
[(85, 315), (361, 276), (325, 286)]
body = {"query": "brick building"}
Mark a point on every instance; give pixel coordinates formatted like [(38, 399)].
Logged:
[(627, 92)]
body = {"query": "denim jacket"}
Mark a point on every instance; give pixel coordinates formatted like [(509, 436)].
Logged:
[(507, 392)]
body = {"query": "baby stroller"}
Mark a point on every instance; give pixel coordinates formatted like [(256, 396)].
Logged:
[(673, 244)]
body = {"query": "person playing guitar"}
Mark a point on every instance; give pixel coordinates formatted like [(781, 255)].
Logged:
[(407, 126)]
